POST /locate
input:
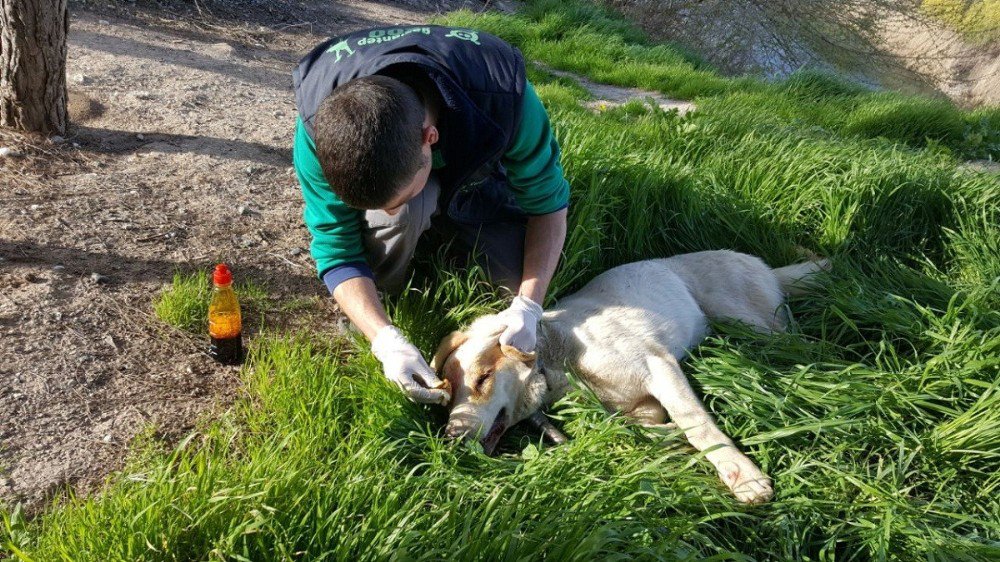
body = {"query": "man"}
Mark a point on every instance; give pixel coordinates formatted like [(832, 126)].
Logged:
[(400, 125)]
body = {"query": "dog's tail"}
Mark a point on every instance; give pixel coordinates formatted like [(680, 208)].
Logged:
[(797, 279)]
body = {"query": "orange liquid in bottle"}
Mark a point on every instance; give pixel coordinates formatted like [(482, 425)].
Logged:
[(225, 324)]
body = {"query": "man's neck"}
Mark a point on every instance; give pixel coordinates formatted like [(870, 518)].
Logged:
[(425, 88), (431, 98)]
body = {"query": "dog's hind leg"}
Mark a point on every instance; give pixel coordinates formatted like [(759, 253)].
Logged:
[(670, 387)]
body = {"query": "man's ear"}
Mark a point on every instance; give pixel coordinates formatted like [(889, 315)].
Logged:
[(447, 346), (430, 134)]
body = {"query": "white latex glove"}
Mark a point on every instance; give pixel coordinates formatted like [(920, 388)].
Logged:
[(521, 318), (403, 364)]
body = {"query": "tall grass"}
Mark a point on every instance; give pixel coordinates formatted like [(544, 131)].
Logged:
[(876, 414)]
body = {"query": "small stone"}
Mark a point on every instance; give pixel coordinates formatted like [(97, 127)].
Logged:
[(82, 79), (295, 251), (98, 278), (58, 267), (141, 136), (104, 22), (246, 211), (106, 438), (56, 139), (8, 152), (110, 340), (34, 207), (144, 95)]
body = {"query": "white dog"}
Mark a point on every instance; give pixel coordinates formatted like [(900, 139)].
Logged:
[(623, 335)]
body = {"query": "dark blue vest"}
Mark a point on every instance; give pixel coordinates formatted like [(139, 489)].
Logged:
[(481, 79)]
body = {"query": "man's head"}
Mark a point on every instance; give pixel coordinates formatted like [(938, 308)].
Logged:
[(373, 140)]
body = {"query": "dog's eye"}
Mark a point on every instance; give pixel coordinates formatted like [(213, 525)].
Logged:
[(483, 378)]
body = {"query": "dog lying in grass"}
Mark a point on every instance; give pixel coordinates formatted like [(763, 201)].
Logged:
[(623, 335)]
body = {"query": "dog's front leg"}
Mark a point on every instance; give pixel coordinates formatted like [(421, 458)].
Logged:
[(670, 387)]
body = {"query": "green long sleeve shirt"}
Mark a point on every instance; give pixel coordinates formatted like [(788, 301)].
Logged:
[(533, 171)]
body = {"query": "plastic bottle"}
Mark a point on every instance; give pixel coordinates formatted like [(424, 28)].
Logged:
[(225, 325)]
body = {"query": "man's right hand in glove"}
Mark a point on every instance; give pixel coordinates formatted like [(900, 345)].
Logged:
[(403, 364)]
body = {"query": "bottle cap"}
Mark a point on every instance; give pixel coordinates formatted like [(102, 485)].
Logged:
[(222, 275)]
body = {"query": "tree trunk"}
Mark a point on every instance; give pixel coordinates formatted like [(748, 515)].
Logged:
[(33, 64)]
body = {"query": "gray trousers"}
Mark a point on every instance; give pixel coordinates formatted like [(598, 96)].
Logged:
[(485, 222)]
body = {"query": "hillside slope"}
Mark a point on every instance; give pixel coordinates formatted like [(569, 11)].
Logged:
[(895, 45)]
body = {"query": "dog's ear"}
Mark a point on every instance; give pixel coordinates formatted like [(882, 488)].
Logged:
[(447, 346), (518, 355)]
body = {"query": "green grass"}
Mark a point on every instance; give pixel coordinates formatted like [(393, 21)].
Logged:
[(184, 304), (876, 415)]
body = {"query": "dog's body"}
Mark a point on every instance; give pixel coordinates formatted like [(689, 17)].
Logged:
[(623, 335)]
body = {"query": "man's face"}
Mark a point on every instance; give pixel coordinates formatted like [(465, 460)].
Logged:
[(416, 185), (410, 190)]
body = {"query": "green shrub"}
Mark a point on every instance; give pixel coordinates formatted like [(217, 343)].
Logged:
[(977, 20)]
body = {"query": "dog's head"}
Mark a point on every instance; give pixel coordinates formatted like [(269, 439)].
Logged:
[(493, 387)]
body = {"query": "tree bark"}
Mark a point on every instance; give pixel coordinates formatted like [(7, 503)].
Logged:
[(33, 64)]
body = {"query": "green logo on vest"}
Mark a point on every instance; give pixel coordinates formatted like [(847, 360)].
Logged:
[(465, 35), (340, 48)]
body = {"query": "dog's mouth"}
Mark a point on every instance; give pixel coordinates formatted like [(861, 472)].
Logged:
[(492, 437)]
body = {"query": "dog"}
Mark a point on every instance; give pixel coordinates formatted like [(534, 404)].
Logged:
[(623, 335)]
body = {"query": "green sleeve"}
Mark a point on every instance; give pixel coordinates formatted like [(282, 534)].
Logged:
[(335, 227), (532, 162)]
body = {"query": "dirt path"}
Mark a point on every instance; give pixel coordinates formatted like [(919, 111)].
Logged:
[(179, 157), (606, 95)]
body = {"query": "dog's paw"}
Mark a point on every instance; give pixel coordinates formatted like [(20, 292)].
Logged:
[(746, 481), (753, 491)]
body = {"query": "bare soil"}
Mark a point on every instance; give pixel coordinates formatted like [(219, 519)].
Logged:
[(178, 157)]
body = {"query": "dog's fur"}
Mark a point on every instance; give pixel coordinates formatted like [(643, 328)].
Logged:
[(623, 335)]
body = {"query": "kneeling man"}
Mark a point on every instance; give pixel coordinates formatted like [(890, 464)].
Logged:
[(398, 126)]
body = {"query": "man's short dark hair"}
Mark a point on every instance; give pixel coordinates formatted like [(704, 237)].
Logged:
[(369, 133)]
